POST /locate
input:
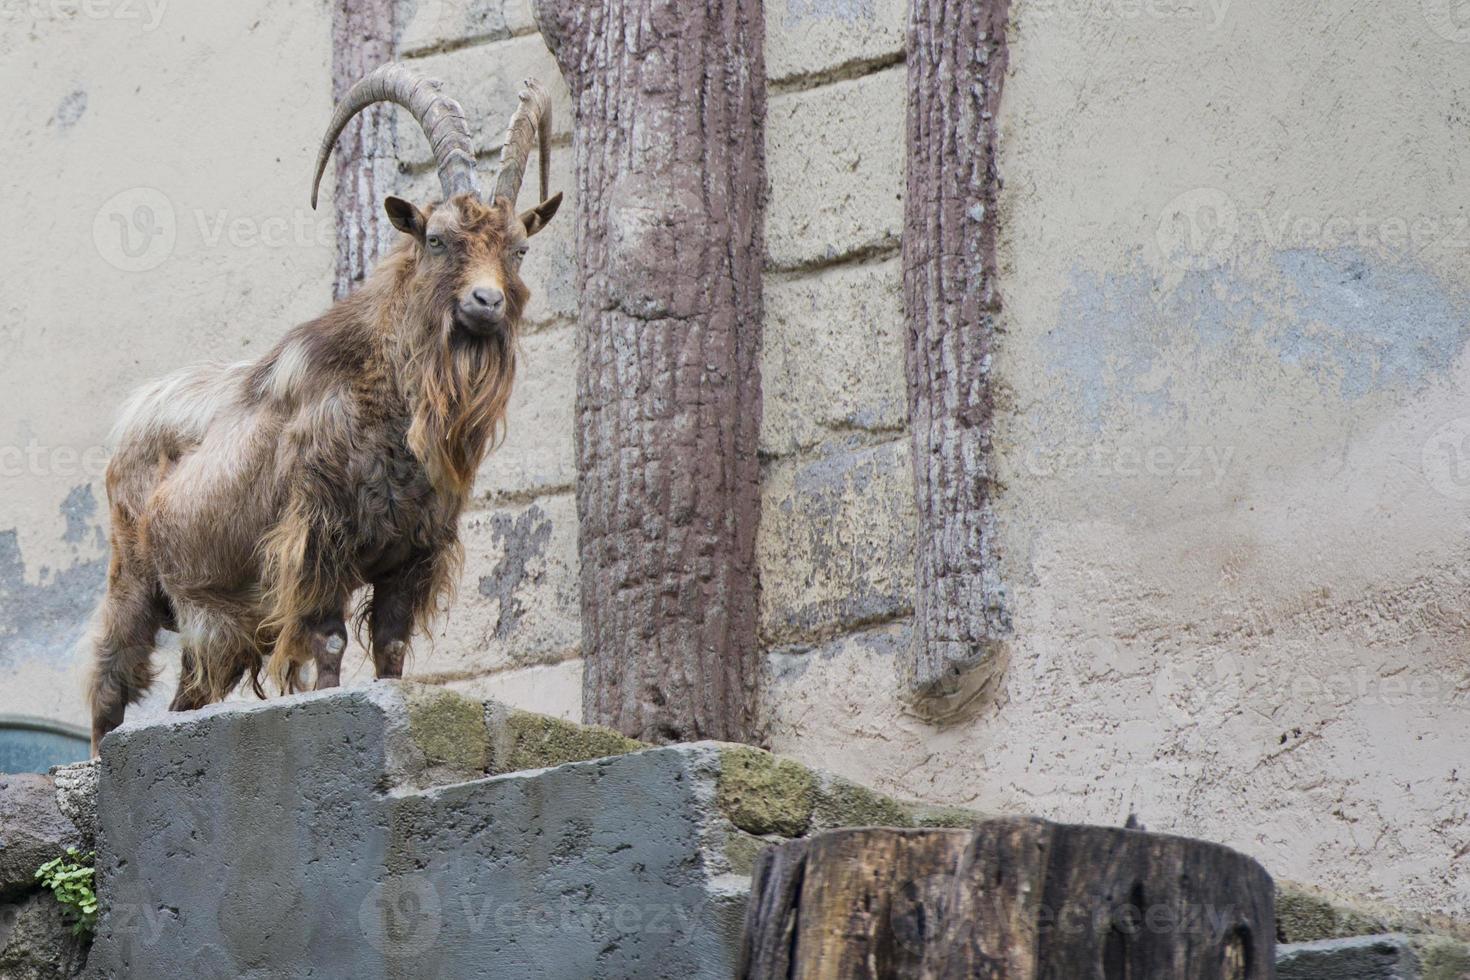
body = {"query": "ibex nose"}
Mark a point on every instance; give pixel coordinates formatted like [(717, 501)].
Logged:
[(490, 299)]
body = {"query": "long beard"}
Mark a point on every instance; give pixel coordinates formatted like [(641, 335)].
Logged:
[(463, 386)]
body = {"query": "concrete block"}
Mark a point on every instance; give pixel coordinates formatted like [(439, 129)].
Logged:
[(833, 356), (1383, 957), (430, 24), (36, 943), (836, 542), (485, 79), (522, 740), (518, 596), (297, 837), (76, 798), (538, 453), (816, 37), (834, 157), (33, 830), (550, 269)]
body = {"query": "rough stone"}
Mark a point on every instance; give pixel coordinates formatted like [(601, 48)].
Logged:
[(763, 794), (521, 740), (836, 542), (815, 38), (843, 803), (1305, 915), (835, 164), (1441, 958), (76, 798), (36, 943), (536, 456), (449, 730), (429, 24), (1382, 957), (33, 830), (320, 850), (486, 78), (518, 599), (853, 316)]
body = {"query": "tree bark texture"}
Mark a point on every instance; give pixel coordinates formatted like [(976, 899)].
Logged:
[(956, 67), (670, 161), (364, 36), (1014, 899)]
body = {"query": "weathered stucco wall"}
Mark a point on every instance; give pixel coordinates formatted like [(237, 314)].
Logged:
[(156, 163), (1234, 264), (1236, 272)]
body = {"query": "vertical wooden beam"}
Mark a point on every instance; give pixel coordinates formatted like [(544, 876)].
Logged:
[(364, 36), (956, 68), (670, 165)]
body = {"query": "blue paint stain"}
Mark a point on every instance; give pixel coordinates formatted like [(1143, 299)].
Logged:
[(1356, 325), (47, 620)]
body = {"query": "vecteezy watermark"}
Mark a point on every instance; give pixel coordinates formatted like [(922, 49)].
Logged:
[(1198, 229), (1450, 19), (1208, 463), (35, 459), (1445, 459), (402, 916), (147, 14), (138, 230), (1204, 228), (1210, 13)]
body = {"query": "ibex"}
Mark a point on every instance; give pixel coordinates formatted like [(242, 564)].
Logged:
[(250, 501)]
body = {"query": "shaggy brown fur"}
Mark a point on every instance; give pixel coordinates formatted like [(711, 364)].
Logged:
[(250, 501)]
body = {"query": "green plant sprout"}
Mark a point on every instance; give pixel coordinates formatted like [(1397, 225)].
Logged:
[(70, 880)]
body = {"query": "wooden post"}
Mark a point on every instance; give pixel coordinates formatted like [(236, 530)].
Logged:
[(1014, 899), (956, 69), (669, 141)]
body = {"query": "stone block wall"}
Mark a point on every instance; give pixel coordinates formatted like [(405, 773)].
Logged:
[(836, 539)]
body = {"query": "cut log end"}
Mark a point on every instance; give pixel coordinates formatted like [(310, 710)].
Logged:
[(1014, 899)]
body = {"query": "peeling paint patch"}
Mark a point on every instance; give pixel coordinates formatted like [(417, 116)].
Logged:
[(47, 620), (78, 509), (524, 539), (1356, 325)]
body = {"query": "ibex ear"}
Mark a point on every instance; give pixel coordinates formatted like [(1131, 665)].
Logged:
[(539, 216), (405, 217)]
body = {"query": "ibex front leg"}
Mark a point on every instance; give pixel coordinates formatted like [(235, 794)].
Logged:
[(396, 599), (327, 635)]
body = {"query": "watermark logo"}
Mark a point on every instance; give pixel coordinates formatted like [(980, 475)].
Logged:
[(145, 14), (402, 916), (1445, 459), (1198, 229), (136, 230), (1450, 19)]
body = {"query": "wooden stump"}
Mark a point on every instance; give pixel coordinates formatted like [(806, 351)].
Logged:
[(1014, 899)]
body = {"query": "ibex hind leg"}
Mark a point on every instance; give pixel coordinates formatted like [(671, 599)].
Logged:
[(122, 648)]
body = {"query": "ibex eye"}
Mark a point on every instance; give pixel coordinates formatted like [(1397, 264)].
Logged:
[(436, 244)]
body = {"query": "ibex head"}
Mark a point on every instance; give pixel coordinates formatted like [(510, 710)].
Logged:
[(467, 250)]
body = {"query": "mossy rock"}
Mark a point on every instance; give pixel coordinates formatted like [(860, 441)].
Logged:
[(449, 729), (524, 740), (1303, 917), (762, 794), (843, 803)]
